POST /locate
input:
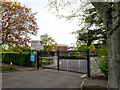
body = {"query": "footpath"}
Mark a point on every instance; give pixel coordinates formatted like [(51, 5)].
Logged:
[(97, 80)]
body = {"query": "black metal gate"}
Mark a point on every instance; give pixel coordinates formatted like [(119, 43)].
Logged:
[(47, 60), (73, 61)]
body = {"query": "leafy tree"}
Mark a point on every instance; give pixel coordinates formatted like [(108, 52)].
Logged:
[(92, 47), (13, 49), (49, 43), (88, 34), (102, 58), (19, 49), (87, 16), (110, 13), (92, 35), (25, 48), (84, 47), (18, 23)]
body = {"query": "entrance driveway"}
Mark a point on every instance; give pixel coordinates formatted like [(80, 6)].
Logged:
[(41, 79)]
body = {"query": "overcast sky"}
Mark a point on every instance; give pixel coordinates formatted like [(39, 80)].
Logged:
[(59, 29)]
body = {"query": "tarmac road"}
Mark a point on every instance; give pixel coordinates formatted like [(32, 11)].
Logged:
[(48, 78), (41, 79)]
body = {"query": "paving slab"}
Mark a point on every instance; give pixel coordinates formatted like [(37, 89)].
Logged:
[(95, 82)]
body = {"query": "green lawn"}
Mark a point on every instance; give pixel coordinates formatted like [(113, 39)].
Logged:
[(4, 69)]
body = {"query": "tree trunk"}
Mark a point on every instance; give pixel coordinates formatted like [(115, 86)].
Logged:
[(113, 43), (114, 60)]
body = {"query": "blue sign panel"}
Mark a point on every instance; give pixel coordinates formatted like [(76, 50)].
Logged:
[(32, 57), (68, 53)]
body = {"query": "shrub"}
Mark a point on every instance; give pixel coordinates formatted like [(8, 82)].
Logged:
[(103, 60), (46, 61), (22, 59), (73, 57)]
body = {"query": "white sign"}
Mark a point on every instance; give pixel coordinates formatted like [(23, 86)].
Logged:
[(37, 45)]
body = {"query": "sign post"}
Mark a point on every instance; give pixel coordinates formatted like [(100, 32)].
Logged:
[(88, 62), (38, 59), (36, 45)]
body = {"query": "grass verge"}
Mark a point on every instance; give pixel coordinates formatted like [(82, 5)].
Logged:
[(7, 69)]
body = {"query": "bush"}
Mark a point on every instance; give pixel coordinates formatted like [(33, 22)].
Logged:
[(47, 61), (95, 55), (103, 60), (22, 59), (73, 57)]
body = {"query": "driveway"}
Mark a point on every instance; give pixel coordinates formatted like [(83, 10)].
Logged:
[(41, 79)]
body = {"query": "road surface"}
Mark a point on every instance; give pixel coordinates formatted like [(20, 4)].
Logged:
[(41, 79)]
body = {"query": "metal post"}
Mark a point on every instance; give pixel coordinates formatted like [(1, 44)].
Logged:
[(88, 62), (37, 59), (10, 62), (58, 60)]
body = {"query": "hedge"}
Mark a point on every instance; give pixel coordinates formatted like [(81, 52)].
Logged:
[(21, 59), (73, 57)]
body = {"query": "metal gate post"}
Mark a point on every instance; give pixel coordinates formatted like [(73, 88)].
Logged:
[(88, 62), (37, 59), (58, 60)]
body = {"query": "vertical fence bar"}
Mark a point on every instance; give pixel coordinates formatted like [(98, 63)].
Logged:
[(58, 59), (37, 59), (88, 62)]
